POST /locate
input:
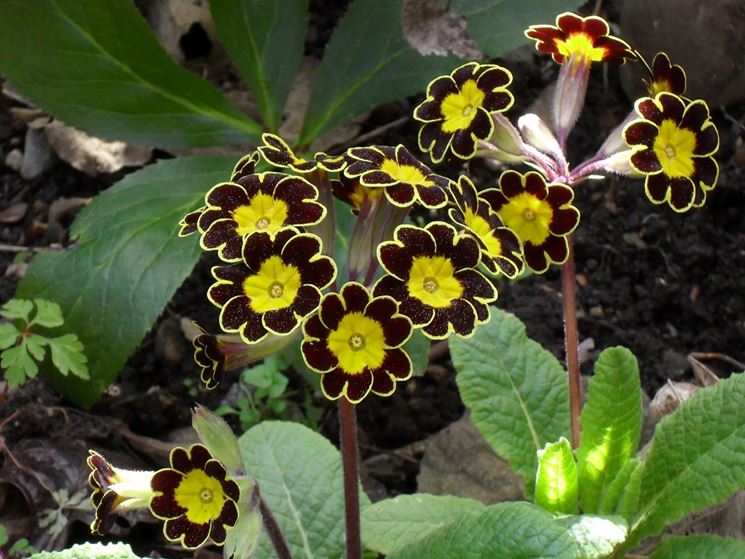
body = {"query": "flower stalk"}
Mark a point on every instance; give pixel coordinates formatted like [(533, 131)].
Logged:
[(273, 531), (571, 341), (350, 464)]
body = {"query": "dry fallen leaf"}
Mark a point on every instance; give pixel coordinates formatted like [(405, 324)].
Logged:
[(93, 155), (14, 213), (431, 29), (669, 397)]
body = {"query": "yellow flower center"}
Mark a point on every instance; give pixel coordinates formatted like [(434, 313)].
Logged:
[(459, 109), (483, 230), (360, 194), (658, 87), (358, 343), (201, 495), (263, 213), (405, 173), (581, 44), (274, 287), (528, 216), (674, 148), (432, 280)]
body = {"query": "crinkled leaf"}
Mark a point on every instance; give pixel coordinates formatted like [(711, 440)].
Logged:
[(90, 551), (611, 424), (515, 389), (300, 476), (68, 356), (595, 536), (96, 65), (391, 524), (17, 309), (697, 457), (366, 63), (514, 530), (8, 334), (622, 495), (48, 314), (265, 39), (556, 479), (18, 365), (497, 25), (699, 546), (126, 266)]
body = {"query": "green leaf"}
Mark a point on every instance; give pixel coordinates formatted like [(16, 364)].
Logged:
[(126, 267), (96, 65), (595, 536), (48, 314), (68, 355), (556, 480), (497, 26), (515, 389), (700, 546), (366, 63), (18, 365), (8, 335), (393, 523), (611, 424), (35, 346), (514, 530), (697, 458), (418, 349), (17, 309), (344, 223), (265, 39), (300, 476), (622, 494)]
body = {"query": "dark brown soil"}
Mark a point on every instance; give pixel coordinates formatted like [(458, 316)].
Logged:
[(662, 284)]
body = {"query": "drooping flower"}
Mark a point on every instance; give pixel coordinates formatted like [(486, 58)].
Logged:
[(261, 202), (355, 341), (276, 151), (675, 141), (500, 247), (573, 35), (456, 112), (246, 166), (540, 214), (209, 356), (431, 273), (115, 490), (406, 179), (274, 287), (665, 76), (195, 497)]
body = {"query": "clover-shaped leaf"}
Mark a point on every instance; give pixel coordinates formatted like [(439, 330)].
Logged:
[(17, 309), (48, 314), (8, 335), (18, 365)]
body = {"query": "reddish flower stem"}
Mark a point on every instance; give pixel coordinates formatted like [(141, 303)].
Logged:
[(571, 340), (348, 436), (272, 528)]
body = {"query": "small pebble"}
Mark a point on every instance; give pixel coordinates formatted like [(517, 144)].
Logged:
[(14, 159)]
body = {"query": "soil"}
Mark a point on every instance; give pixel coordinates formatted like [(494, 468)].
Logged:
[(662, 284)]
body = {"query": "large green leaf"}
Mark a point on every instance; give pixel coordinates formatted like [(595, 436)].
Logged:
[(299, 474), (498, 25), (391, 524), (697, 458), (265, 39), (96, 65), (128, 262), (700, 546), (514, 530), (611, 424), (515, 389), (622, 494), (367, 62), (595, 536), (556, 480)]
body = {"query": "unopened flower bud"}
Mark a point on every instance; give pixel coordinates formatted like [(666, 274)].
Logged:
[(218, 437), (538, 134)]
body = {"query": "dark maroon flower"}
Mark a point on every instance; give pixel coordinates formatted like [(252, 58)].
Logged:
[(431, 273), (274, 287), (195, 497), (276, 151), (354, 341)]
